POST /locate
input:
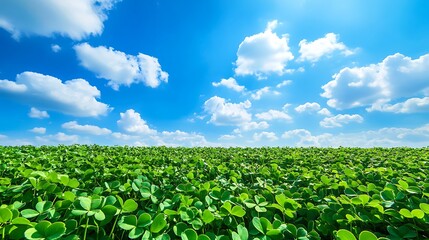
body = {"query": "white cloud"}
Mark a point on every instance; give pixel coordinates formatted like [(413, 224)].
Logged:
[(132, 122), (263, 53), (250, 126), (384, 137), (180, 138), (324, 112), (272, 115), (75, 19), (224, 113), (36, 113), (122, 136), (397, 76), (227, 137), (59, 138), (74, 97), (120, 68), (340, 119), (313, 51), (284, 83), (257, 95), (55, 48), (308, 107), (87, 129), (411, 105), (230, 83), (12, 87), (305, 138), (286, 106), (38, 130), (270, 136)]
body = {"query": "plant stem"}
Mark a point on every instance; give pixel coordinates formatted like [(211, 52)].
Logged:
[(86, 228), (114, 225)]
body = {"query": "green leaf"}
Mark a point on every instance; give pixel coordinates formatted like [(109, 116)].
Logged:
[(32, 234), (29, 213), (5, 215), (325, 180), (424, 207), (406, 213), (136, 232), (144, 220), (387, 195), (179, 228), (257, 224), (43, 206), (207, 217), (158, 223), (129, 206), (55, 230), (403, 184), (414, 190), (203, 237), (85, 203), (292, 229), (20, 221), (242, 232), (418, 213), (73, 183), (235, 236), (344, 234), (189, 234), (238, 211), (128, 222), (100, 215), (367, 235)]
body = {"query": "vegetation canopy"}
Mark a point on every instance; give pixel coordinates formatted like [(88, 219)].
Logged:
[(98, 192)]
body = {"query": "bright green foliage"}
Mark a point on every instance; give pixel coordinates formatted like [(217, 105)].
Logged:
[(96, 192)]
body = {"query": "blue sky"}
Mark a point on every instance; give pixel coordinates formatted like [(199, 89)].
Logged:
[(214, 73)]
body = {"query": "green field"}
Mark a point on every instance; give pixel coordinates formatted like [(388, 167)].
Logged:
[(96, 192)]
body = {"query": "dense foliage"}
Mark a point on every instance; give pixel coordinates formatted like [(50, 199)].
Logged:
[(95, 192)]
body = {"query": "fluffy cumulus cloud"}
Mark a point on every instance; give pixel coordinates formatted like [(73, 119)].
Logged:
[(303, 137), (284, 83), (55, 48), (257, 95), (324, 112), (263, 53), (412, 105), (120, 68), (227, 137), (325, 46), (251, 126), (59, 138), (224, 113), (74, 97), (384, 137), (75, 19), (340, 120), (132, 122), (36, 113), (273, 115), (270, 136), (38, 130), (308, 107), (86, 129), (397, 76), (180, 138), (230, 83)]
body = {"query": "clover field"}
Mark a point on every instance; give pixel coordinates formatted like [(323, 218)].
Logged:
[(99, 192)]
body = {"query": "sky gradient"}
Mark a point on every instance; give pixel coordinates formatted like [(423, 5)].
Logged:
[(214, 73)]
